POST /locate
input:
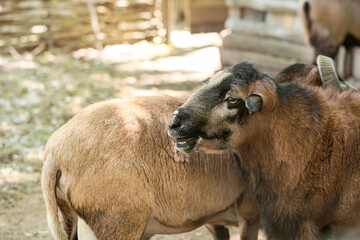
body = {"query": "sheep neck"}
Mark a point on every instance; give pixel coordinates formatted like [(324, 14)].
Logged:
[(279, 153)]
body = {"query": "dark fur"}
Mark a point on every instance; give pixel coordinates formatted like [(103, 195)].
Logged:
[(300, 73), (299, 153)]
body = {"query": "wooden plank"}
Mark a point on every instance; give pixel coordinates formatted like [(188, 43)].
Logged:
[(209, 15), (261, 29), (18, 31), (253, 15), (66, 9), (74, 45), (20, 48), (59, 23), (66, 22), (283, 20), (28, 13), (265, 63), (234, 12), (266, 5), (207, 3), (207, 28), (273, 47)]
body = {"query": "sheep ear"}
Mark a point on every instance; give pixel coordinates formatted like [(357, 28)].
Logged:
[(253, 103)]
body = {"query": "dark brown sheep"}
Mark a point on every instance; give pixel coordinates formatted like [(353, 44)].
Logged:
[(297, 146)]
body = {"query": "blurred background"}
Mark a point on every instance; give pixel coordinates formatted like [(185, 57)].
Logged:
[(58, 56)]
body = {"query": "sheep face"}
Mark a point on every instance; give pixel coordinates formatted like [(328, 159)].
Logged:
[(209, 118)]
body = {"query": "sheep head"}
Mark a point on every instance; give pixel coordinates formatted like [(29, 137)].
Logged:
[(209, 117), (226, 102)]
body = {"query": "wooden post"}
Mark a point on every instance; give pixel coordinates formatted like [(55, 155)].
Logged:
[(171, 17), (187, 13), (94, 24)]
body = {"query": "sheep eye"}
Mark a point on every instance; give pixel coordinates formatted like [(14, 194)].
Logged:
[(232, 100)]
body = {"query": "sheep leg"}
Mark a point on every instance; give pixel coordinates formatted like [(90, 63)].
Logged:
[(325, 234), (323, 41), (218, 232), (348, 235), (250, 229), (306, 231), (129, 225), (145, 237), (69, 221), (84, 231), (348, 63), (69, 217), (250, 212)]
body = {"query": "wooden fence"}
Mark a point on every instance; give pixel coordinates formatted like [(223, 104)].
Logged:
[(265, 32), (26, 24)]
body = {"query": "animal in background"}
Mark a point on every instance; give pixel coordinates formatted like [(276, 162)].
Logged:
[(328, 24)]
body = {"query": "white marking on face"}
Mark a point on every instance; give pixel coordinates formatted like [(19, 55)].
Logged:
[(228, 112), (218, 77)]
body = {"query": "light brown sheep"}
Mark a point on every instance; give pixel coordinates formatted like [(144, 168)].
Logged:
[(114, 166), (329, 24), (297, 146)]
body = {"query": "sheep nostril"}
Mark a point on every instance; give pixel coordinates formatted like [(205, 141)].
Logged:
[(174, 122)]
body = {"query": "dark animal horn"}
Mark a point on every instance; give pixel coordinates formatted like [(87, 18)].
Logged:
[(328, 73)]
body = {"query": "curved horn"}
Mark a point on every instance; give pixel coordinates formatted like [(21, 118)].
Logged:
[(328, 73)]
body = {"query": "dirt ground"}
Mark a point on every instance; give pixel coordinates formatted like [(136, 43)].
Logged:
[(40, 93)]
